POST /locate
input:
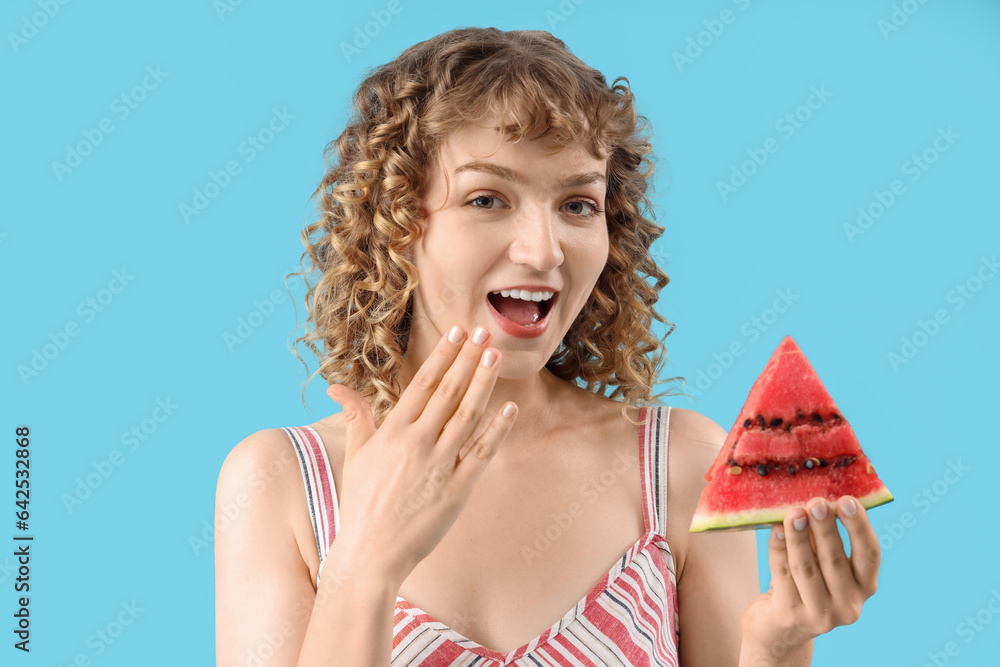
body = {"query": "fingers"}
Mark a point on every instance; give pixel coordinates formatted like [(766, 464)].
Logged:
[(419, 391), (482, 451), (865, 551), (785, 591), (451, 390), (802, 561), (465, 420), (833, 562)]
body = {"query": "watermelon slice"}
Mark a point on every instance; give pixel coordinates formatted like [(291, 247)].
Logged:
[(790, 444)]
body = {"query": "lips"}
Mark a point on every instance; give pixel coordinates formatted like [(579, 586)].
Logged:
[(525, 331)]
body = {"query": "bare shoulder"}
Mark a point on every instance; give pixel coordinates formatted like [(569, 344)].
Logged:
[(695, 441), (262, 464)]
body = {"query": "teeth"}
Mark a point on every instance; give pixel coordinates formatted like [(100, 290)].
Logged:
[(525, 294)]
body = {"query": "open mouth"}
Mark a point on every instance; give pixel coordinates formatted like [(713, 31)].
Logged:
[(523, 311)]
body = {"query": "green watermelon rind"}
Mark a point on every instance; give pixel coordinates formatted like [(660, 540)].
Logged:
[(765, 517)]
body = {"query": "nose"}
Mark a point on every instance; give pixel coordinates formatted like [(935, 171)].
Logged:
[(537, 241)]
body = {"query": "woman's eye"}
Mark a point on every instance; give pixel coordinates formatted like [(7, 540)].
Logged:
[(580, 202), (485, 200), (578, 207)]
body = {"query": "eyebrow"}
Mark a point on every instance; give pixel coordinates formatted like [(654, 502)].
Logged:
[(574, 181)]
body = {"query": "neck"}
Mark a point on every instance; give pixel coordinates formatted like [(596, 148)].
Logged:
[(537, 397)]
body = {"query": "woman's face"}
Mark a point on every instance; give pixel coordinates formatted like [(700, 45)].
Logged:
[(509, 215)]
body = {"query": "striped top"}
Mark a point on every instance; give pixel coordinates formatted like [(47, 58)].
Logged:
[(628, 618)]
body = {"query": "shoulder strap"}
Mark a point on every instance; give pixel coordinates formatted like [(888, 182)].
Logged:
[(653, 439), (321, 493)]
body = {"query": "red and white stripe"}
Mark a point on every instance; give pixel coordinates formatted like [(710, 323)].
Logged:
[(629, 617)]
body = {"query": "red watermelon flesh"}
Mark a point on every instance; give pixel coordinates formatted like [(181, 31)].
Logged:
[(789, 444)]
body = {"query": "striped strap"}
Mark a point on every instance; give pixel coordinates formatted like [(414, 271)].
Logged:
[(655, 437), (321, 495)]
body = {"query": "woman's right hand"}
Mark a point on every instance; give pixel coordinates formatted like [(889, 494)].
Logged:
[(404, 484)]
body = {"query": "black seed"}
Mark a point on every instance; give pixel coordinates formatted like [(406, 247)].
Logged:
[(788, 428), (800, 415), (791, 469), (762, 469), (776, 422), (731, 461), (823, 463), (747, 423), (808, 463), (836, 416), (817, 418), (760, 420)]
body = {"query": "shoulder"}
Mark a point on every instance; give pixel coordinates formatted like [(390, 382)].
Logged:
[(694, 443), (263, 463)]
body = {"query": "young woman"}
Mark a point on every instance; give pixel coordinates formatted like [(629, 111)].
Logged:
[(481, 248)]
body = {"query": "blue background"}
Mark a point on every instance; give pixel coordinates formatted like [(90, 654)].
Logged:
[(855, 297)]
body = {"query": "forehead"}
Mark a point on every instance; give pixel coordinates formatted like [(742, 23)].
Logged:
[(479, 142)]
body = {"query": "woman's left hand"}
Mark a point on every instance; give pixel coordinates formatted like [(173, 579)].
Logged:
[(815, 587)]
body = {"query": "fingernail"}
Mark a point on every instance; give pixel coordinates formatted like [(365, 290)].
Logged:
[(847, 506), (819, 511), (780, 534), (479, 336), (508, 410), (800, 523), (489, 358), (455, 334)]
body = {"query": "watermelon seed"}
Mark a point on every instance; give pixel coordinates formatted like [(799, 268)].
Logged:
[(762, 469), (788, 428), (846, 461), (760, 419), (776, 422), (747, 423), (800, 415), (817, 417), (811, 463), (836, 417), (871, 468), (735, 470), (791, 468), (822, 463)]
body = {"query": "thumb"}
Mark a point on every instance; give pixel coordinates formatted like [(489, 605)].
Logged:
[(358, 413)]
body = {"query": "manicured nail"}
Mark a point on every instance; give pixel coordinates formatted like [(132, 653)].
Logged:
[(479, 336), (819, 511), (847, 507), (508, 410), (455, 334), (489, 358), (800, 523), (780, 533)]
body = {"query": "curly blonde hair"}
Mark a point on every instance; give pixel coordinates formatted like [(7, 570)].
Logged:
[(371, 212)]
